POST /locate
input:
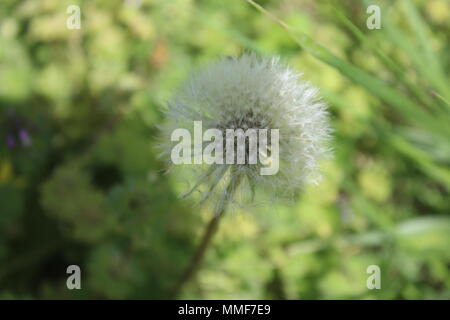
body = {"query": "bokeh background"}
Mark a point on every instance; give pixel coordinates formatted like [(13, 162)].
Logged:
[(80, 181)]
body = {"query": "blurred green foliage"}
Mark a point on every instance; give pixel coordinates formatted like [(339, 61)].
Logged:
[(80, 181)]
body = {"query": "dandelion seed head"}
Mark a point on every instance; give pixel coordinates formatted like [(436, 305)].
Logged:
[(259, 93)]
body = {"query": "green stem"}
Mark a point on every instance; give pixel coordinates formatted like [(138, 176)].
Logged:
[(206, 239)]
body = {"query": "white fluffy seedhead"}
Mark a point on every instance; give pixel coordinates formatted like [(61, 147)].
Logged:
[(261, 93)]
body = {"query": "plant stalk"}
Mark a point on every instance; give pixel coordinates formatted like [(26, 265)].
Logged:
[(211, 229)]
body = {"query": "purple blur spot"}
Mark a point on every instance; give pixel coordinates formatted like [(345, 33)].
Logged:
[(10, 141), (24, 137)]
